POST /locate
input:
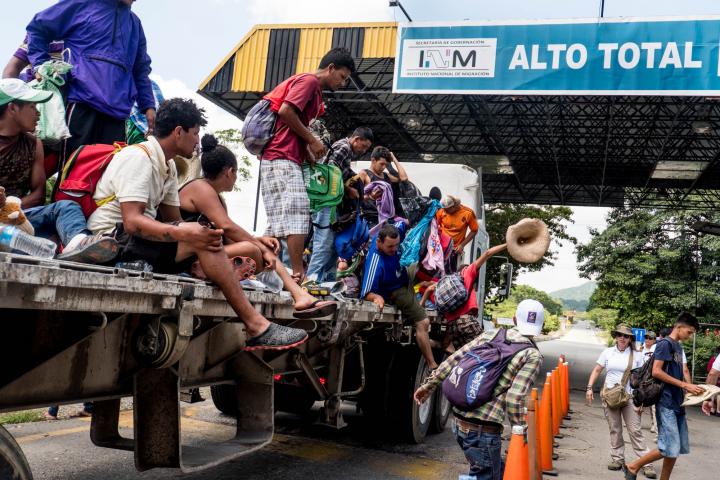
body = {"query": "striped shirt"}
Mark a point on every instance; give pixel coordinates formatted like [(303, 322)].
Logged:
[(512, 389)]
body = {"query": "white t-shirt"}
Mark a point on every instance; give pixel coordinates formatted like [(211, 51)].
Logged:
[(615, 362), (132, 176), (716, 364)]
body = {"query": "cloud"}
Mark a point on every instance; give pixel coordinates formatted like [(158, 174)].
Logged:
[(317, 11)]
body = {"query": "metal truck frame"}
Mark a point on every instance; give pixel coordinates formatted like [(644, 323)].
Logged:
[(76, 332)]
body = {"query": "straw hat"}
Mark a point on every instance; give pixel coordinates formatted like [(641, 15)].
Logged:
[(528, 240), (710, 392)]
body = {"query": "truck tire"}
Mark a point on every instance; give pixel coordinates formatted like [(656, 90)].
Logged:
[(408, 375), (293, 399), (225, 398), (13, 464)]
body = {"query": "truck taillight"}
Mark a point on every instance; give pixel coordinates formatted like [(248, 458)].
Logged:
[(277, 378), (323, 380)]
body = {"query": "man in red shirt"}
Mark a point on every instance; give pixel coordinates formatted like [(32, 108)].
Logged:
[(463, 324), (281, 180)]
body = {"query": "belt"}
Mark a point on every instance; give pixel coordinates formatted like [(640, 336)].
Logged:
[(487, 427)]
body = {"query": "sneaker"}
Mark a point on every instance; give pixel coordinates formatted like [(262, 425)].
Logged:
[(93, 249), (628, 474), (277, 337), (615, 465), (649, 471)]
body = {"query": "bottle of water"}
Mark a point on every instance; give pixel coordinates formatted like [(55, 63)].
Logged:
[(12, 239)]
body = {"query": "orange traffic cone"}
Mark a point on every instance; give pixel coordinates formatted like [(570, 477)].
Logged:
[(566, 374), (545, 429), (533, 436), (516, 465), (563, 392), (555, 384)]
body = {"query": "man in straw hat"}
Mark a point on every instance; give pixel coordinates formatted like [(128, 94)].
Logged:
[(478, 431), (455, 219), (673, 438)]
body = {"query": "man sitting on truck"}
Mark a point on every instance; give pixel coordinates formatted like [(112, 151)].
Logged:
[(386, 280), (478, 431), (142, 183), (22, 175)]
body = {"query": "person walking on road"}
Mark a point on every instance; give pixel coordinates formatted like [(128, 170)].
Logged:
[(671, 419), (617, 361), (647, 351), (478, 432)]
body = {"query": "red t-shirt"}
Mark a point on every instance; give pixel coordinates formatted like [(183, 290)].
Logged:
[(303, 93), (469, 274)]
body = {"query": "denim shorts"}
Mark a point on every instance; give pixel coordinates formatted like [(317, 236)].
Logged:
[(672, 432)]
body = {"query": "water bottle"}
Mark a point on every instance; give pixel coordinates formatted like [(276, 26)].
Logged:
[(12, 239)]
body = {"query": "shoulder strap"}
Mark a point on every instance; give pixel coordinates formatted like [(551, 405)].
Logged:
[(106, 200), (626, 375)]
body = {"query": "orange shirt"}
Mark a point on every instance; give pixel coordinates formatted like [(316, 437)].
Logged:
[(456, 224)]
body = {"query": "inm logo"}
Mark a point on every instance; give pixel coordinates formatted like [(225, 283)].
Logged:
[(447, 58)]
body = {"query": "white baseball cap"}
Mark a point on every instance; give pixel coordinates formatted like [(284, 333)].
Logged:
[(13, 89), (530, 317)]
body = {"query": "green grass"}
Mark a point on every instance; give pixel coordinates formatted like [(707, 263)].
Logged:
[(21, 417)]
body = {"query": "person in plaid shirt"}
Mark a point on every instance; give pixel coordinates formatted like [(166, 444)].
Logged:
[(341, 154), (478, 431)]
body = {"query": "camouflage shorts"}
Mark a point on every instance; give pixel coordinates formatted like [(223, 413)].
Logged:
[(464, 329)]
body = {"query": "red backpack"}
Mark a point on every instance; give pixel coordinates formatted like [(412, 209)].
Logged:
[(83, 171)]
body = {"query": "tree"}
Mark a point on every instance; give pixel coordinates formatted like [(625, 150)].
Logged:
[(498, 217), (232, 139), (647, 262), (506, 308)]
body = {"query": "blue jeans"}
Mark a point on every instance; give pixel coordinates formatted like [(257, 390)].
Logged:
[(322, 262), (64, 218), (482, 450), (672, 429), (54, 409)]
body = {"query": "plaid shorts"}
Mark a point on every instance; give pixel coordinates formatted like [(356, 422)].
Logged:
[(464, 329), (286, 201)]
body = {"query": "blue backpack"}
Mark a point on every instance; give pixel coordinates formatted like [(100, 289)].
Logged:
[(350, 240), (472, 382)]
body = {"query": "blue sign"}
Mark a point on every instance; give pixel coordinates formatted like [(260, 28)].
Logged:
[(663, 56), (639, 334)]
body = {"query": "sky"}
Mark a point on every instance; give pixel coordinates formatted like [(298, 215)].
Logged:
[(188, 38)]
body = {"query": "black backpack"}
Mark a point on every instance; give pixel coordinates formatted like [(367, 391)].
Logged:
[(646, 388)]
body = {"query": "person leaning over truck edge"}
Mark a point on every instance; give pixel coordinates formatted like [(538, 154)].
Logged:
[(386, 280), (110, 66), (139, 184), (322, 262), (463, 323), (22, 174), (673, 438), (202, 197), (281, 179), (478, 431)]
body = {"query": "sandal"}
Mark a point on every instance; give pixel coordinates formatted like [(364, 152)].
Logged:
[(244, 267), (317, 309)]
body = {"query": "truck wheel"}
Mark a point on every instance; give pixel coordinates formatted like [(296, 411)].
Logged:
[(293, 399), (13, 464), (414, 419), (225, 398)]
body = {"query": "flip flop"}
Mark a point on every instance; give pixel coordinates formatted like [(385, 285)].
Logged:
[(317, 309)]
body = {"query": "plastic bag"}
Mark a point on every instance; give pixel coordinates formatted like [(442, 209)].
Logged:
[(52, 129)]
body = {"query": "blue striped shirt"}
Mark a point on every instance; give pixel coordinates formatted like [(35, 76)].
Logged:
[(384, 274)]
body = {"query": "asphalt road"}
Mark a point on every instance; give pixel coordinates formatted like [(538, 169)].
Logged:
[(62, 449)]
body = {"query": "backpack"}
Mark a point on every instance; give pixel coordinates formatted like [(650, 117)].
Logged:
[(450, 293), (82, 172), (472, 381), (349, 241), (259, 126), (324, 186), (646, 388)]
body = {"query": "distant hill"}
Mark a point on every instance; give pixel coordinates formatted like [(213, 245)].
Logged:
[(575, 298)]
